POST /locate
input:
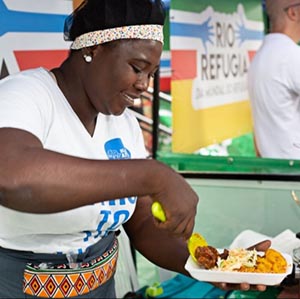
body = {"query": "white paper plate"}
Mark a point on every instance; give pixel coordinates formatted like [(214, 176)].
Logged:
[(238, 277)]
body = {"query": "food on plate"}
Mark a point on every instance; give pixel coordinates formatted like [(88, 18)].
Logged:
[(240, 260), (195, 240), (206, 256), (237, 258), (271, 262)]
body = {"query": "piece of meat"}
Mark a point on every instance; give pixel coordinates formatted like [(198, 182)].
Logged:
[(224, 254), (206, 256)]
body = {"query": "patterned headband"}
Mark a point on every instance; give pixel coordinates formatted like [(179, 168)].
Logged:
[(154, 32)]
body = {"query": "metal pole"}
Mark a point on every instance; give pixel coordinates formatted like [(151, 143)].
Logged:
[(155, 114)]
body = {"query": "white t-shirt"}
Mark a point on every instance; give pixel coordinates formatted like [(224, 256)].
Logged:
[(32, 101), (274, 87)]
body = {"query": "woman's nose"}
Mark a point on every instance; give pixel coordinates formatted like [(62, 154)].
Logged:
[(142, 83)]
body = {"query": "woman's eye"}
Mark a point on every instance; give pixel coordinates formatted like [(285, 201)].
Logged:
[(136, 69)]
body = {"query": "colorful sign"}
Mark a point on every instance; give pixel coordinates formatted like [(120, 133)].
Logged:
[(31, 34), (212, 43)]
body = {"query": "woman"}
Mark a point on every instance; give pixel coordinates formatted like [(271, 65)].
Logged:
[(73, 162)]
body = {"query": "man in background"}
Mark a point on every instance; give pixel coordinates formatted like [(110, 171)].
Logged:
[(274, 83)]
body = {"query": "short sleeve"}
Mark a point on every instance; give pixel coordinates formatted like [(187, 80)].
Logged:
[(24, 105)]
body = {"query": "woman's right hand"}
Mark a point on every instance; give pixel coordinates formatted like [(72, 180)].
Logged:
[(179, 202)]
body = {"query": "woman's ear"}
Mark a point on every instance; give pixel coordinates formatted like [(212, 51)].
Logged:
[(90, 53), (95, 50), (87, 55)]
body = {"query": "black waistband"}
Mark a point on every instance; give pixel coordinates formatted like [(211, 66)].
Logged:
[(91, 252)]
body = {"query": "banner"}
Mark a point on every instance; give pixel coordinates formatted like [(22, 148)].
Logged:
[(212, 43), (31, 34)]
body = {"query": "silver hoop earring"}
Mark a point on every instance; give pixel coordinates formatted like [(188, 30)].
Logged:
[(87, 58)]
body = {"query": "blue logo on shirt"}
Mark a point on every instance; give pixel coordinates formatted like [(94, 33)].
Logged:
[(115, 150)]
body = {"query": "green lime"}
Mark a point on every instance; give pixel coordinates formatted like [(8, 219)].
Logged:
[(158, 212)]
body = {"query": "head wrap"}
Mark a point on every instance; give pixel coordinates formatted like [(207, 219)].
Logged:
[(99, 21)]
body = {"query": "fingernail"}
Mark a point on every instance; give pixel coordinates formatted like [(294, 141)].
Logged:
[(245, 287)]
